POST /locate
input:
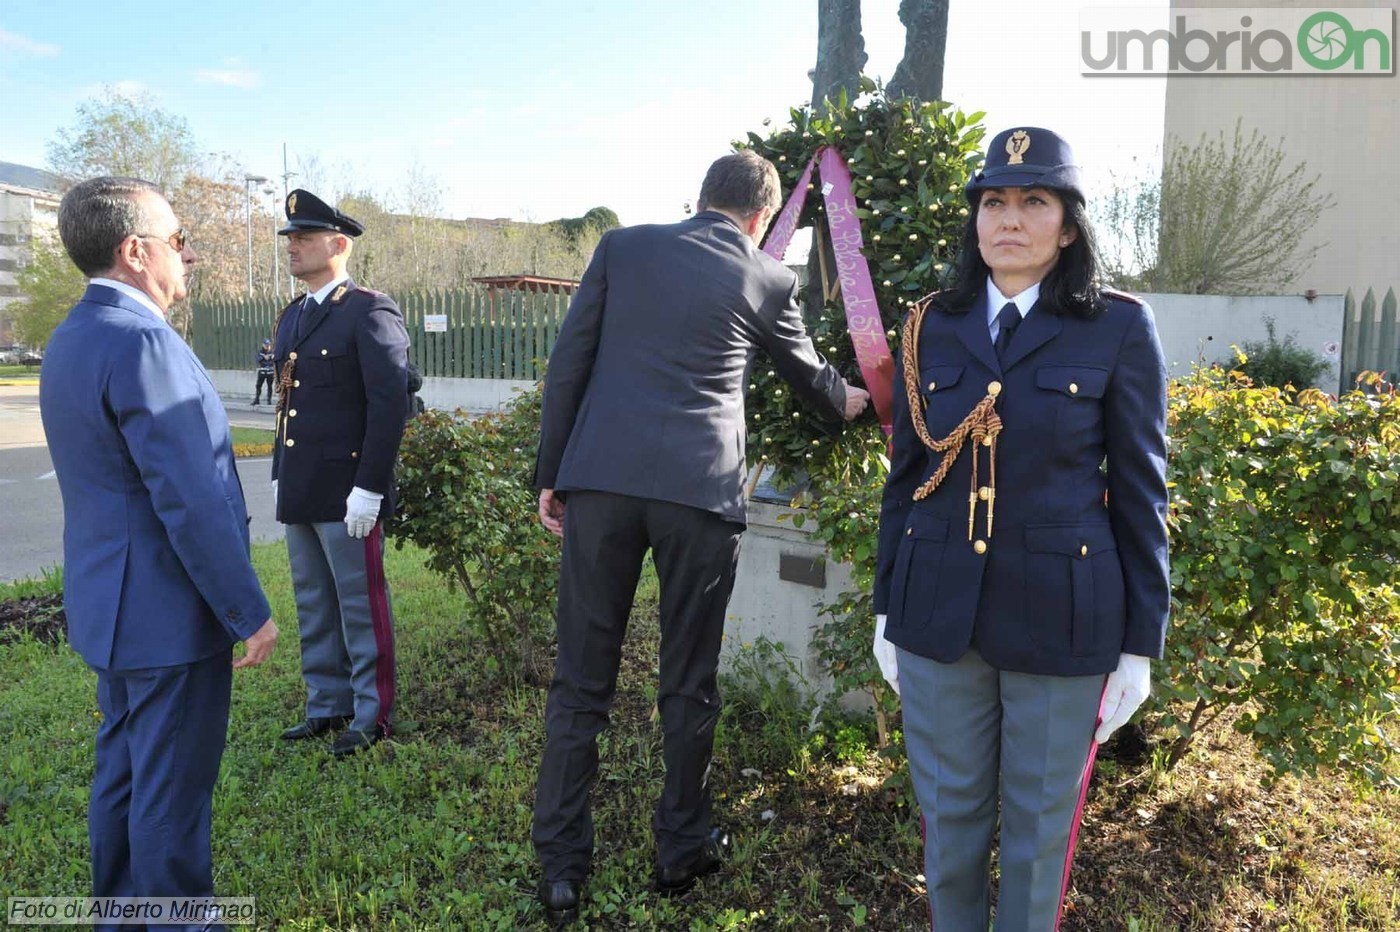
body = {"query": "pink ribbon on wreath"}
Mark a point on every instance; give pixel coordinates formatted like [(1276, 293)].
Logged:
[(863, 322)]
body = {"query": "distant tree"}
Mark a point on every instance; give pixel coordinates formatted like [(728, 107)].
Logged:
[(920, 72), (840, 52), (599, 219), (602, 218), (119, 134), (213, 212), (1228, 216), (49, 284)]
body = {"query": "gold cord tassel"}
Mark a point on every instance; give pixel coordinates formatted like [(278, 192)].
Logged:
[(982, 424)]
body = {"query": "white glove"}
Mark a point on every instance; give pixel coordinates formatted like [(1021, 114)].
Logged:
[(274, 496), (885, 655), (1127, 688), (361, 511)]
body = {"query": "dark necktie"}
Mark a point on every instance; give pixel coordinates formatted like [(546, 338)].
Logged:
[(307, 306), (1009, 319)]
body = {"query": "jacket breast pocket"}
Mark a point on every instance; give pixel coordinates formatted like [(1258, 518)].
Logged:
[(1074, 588), (936, 389), (914, 586), (1077, 395), (322, 365)]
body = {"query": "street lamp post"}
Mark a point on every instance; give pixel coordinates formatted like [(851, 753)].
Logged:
[(270, 191), (248, 182)]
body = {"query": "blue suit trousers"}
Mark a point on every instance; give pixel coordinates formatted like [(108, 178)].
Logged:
[(158, 753)]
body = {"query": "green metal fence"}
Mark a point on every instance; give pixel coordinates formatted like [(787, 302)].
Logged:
[(1370, 336), (476, 332)]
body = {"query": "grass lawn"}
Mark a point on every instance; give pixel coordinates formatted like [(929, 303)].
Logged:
[(251, 435), (19, 372), (431, 830)]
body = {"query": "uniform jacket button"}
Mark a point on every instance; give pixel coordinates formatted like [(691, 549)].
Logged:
[(296, 383), (993, 388), (354, 454), (1083, 550), (323, 352), (291, 442), (932, 386), (292, 355), (908, 532), (1073, 388), (979, 547), (984, 493), (292, 413)]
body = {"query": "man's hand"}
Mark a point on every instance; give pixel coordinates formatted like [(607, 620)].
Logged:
[(856, 400), (274, 496), (1127, 688), (361, 511), (259, 646), (552, 512), (885, 655)]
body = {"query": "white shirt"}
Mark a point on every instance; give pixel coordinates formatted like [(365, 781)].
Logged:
[(996, 301), (135, 294), (324, 291)]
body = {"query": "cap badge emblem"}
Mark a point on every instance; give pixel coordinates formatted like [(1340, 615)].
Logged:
[(292, 201), (1016, 146)]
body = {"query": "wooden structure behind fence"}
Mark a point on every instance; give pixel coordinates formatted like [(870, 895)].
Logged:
[(505, 336)]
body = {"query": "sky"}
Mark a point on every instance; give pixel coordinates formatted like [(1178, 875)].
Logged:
[(532, 109)]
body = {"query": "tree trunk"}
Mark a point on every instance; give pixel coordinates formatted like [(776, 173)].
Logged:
[(920, 74), (840, 51)]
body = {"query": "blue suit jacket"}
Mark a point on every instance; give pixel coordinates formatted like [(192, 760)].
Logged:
[(645, 390), (155, 537), (1067, 581)]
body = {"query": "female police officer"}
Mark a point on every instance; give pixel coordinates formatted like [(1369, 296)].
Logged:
[(1016, 569)]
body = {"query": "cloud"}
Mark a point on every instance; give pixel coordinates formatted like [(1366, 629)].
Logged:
[(10, 41), (229, 77)]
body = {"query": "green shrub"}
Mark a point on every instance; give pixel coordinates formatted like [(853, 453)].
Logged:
[(909, 161), (768, 713), (1280, 364), (465, 496), (1285, 524)]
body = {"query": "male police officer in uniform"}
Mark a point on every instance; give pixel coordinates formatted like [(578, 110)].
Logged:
[(342, 356)]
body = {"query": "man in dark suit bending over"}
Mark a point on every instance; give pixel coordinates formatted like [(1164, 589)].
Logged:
[(642, 435)]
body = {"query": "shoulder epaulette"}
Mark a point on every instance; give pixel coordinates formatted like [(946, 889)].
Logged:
[(1121, 296)]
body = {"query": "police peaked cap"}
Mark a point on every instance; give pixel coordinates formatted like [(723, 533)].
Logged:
[(306, 211), (1028, 157)]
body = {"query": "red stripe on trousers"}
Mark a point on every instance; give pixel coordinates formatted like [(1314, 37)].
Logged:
[(382, 623), (1079, 809), (1073, 826)]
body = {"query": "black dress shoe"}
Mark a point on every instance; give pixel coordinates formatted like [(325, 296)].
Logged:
[(706, 860), (351, 741), (560, 899), (315, 727)]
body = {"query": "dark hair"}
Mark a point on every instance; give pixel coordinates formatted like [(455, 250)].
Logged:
[(1071, 287), (96, 215), (744, 182)]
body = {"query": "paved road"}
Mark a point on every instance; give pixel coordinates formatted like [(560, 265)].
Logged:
[(31, 511)]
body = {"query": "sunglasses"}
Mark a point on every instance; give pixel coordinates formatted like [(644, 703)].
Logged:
[(175, 241)]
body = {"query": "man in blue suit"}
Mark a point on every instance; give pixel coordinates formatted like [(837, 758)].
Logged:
[(158, 585)]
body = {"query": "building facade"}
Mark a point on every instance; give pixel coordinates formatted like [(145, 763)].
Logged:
[(28, 208), (1347, 130)]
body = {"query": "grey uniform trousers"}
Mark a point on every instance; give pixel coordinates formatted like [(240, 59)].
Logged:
[(347, 625), (973, 733)]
